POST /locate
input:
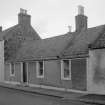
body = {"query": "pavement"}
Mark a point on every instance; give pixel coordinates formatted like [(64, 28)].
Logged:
[(96, 99), (41, 91), (66, 98), (9, 96), (24, 95)]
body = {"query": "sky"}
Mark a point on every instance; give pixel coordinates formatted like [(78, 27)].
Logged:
[(52, 17)]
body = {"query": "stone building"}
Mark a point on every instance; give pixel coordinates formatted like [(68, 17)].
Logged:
[(74, 61)]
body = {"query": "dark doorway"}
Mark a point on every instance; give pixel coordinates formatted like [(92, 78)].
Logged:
[(24, 72)]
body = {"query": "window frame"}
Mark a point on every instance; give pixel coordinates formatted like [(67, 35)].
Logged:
[(62, 70), (37, 69), (12, 74)]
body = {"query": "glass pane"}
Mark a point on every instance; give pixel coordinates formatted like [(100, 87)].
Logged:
[(66, 69), (40, 68), (12, 68)]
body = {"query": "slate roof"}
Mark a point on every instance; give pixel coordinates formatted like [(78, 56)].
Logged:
[(18, 30), (72, 44), (46, 48), (81, 43), (14, 36), (100, 42), (69, 45)]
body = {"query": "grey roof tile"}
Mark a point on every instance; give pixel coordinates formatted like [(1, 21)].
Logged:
[(83, 40), (45, 48)]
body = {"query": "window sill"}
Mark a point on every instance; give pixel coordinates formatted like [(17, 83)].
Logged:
[(40, 76), (65, 78), (12, 75)]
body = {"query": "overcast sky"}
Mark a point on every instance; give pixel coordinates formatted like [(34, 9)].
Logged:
[(52, 17)]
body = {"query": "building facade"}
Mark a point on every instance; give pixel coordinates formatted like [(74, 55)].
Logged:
[(70, 62), (1, 60)]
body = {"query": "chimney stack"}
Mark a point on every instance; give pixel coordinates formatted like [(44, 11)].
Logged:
[(0, 28), (81, 19), (69, 27), (24, 18)]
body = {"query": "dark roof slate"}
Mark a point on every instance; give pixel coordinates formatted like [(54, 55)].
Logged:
[(46, 48), (20, 31), (72, 44), (14, 37), (83, 40)]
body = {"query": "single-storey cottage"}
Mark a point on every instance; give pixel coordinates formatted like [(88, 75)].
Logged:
[(74, 61)]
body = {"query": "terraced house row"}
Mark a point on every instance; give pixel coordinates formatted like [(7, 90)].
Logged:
[(74, 61)]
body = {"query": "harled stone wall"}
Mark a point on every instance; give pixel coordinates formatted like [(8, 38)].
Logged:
[(96, 71)]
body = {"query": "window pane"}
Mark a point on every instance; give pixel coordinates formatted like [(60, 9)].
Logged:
[(12, 68), (66, 69), (40, 68)]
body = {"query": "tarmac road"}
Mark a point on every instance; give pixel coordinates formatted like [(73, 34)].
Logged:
[(16, 97)]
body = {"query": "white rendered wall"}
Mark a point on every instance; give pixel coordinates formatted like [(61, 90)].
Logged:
[(96, 71)]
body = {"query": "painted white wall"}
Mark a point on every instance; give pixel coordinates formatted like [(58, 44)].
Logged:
[(1, 61), (96, 71)]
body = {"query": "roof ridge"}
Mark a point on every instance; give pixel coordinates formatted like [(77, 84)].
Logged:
[(103, 25), (58, 36), (10, 28)]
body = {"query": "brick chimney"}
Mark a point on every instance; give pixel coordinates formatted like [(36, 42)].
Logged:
[(80, 19), (23, 17)]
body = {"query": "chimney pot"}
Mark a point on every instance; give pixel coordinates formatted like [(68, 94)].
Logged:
[(80, 10), (23, 11)]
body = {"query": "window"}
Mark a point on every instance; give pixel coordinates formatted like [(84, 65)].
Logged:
[(66, 69), (40, 69), (12, 69)]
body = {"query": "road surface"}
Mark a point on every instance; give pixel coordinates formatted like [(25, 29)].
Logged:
[(17, 97)]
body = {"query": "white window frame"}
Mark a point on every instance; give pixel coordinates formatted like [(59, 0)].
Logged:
[(37, 70), (62, 70), (11, 69)]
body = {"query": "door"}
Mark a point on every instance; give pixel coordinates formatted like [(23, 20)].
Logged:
[(25, 72)]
